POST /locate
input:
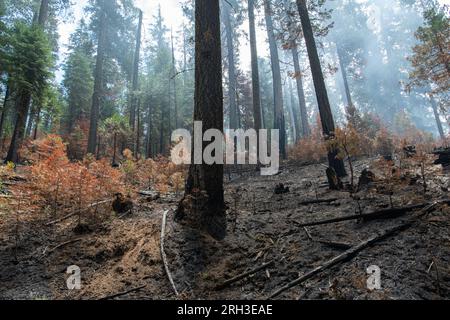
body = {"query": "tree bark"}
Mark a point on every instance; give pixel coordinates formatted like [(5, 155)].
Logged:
[(321, 91), (279, 121), (204, 185), (232, 80), (257, 113), (98, 82)]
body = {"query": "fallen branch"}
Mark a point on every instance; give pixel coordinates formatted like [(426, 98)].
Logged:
[(317, 201), (120, 294), (336, 245), (377, 215), (349, 254), (243, 275), (70, 215), (163, 254)]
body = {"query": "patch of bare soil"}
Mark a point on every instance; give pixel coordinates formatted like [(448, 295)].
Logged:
[(122, 254)]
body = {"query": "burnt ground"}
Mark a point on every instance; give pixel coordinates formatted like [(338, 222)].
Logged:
[(122, 253)]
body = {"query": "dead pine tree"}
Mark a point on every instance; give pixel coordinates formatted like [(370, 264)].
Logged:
[(203, 206)]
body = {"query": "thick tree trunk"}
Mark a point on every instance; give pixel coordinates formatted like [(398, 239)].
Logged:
[(204, 185), (306, 131), (438, 118), (22, 107), (279, 121), (232, 80), (98, 83), (321, 90), (342, 64), (135, 84), (257, 113)]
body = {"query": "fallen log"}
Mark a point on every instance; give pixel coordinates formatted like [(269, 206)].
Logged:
[(243, 276), (163, 253), (349, 254), (120, 294)]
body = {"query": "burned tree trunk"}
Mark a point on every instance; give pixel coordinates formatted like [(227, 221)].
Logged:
[(279, 120), (232, 80), (135, 84), (321, 91), (257, 114), (98, 83), (203, 206)]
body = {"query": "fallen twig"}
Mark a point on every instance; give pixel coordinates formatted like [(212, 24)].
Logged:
[(244, 275), (120, 294), (163, 254), (308, 234), (61, 245)]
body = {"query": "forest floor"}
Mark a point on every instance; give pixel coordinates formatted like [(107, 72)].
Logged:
[(123, 253)]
